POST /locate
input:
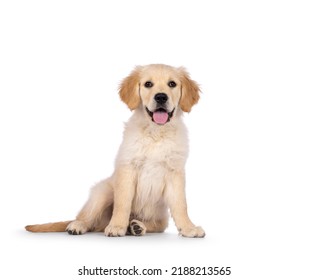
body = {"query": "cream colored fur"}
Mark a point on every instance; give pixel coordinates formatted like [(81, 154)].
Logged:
[(149, 176)]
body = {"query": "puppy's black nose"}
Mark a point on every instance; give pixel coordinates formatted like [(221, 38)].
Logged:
[(161, 97)]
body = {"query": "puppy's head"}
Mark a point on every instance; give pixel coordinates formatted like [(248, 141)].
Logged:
[(160, 90)]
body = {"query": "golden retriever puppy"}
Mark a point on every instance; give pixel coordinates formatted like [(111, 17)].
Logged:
[(149, 176)]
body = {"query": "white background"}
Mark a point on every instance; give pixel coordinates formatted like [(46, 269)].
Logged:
[(61, 124)]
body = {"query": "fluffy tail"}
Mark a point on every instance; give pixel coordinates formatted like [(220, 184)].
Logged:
[(50, 227)]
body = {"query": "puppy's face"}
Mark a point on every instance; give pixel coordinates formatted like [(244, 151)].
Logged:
[(160, 90)]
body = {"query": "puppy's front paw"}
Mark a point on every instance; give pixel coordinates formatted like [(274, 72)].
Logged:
[(192, 232), (115, 231), (77, 228)]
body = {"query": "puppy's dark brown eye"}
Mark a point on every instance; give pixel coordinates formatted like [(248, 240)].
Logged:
[(148, 84), (172, 84)]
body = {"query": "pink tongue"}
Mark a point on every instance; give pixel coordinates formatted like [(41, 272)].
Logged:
[(160, 117)]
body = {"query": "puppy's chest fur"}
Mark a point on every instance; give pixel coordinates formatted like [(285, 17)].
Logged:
[(154, 155)]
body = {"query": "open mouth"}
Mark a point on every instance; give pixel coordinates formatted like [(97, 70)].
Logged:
[(160, 115)]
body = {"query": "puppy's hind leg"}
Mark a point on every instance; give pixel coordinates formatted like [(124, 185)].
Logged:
[(138, 228), (92, 217)]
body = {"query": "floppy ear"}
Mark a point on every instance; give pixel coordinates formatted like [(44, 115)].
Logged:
[(189, 91), (129, 89)]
